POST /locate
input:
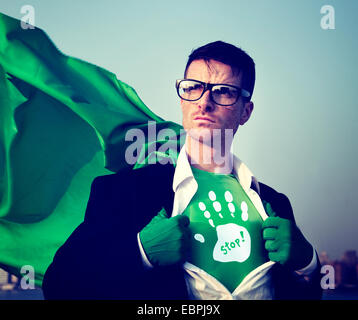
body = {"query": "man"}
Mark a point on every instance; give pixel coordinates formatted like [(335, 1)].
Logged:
[(204, 229)]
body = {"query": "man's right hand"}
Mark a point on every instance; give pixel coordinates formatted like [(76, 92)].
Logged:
[(166, 240)]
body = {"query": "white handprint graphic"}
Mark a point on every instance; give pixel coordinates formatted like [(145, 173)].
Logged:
[(233, 240)]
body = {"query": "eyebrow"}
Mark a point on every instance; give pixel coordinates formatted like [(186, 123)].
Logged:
[(225, 82)]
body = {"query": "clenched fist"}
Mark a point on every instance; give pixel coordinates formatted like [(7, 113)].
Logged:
[(166, 240), (285, 243)]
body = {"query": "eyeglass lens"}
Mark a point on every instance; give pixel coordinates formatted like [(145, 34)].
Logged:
[(221, 94)]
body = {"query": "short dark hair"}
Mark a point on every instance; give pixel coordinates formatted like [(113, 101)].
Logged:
[(226, 53)]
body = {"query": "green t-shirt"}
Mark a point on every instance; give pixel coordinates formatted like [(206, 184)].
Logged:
[(226, 228)]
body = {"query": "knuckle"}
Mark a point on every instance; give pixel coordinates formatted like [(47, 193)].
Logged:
[(267, 246), (272, 256)]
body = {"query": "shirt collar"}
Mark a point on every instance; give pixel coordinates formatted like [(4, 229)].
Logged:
[(240, 170), (182, 170)]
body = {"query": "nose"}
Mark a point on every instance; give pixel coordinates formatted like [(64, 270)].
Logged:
[(205, 103)]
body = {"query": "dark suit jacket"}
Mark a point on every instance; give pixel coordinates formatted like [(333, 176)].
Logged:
[(101, 259)]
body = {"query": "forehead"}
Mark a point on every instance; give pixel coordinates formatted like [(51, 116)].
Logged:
[(213, 71)]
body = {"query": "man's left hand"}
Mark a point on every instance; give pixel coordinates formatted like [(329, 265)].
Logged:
[(286, 244)]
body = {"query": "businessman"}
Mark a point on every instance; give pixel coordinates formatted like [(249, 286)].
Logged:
[(205, 228)]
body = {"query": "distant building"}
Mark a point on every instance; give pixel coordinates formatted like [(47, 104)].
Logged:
[(324, 258), (349, 269), (7, 280), (3, 277)]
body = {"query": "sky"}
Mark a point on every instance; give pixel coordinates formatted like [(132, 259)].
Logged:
[(300, 139)]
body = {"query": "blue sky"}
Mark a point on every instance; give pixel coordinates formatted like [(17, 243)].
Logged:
[(301, 136)]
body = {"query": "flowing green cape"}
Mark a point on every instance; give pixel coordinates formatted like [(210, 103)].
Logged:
[(63, 122)]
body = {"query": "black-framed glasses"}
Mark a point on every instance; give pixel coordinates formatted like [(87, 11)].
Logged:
[(221, 94)]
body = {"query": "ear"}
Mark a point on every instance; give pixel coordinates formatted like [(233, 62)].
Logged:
[(246, 112)]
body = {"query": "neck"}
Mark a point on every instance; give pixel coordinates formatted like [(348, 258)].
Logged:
[(209, 156)]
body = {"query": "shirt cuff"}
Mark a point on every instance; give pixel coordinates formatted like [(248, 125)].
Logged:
[(306, 271), (145, 260)]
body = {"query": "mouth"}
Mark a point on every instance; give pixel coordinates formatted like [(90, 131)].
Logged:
[(204, 119)]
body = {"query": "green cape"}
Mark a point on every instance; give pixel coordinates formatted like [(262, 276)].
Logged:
[(62, 123)]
